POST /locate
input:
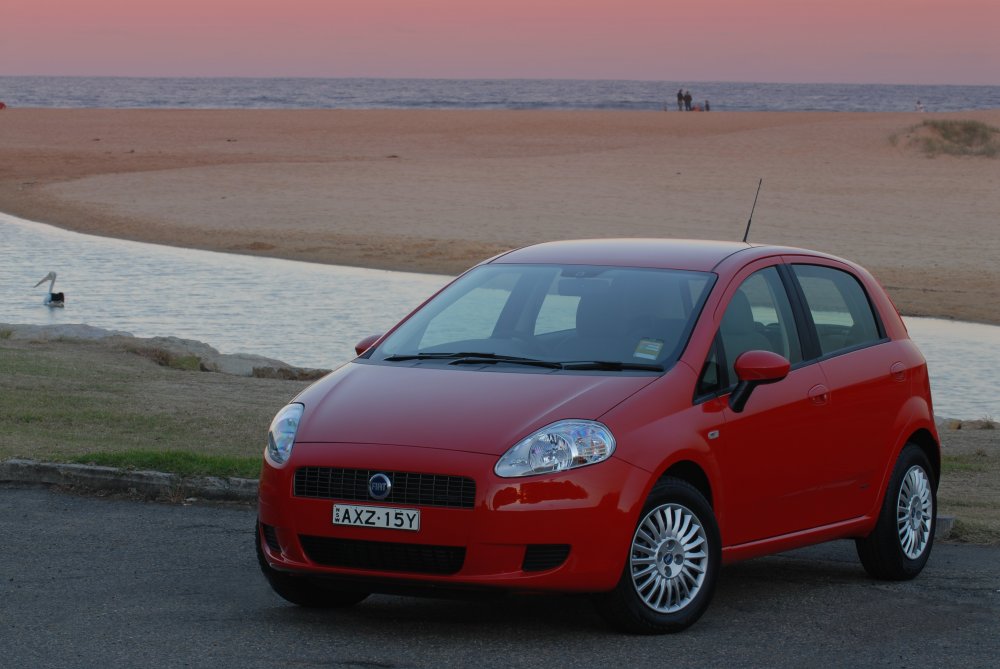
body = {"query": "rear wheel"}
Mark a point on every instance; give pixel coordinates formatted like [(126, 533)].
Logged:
[(673, 562), (899, 546), (304, 590)]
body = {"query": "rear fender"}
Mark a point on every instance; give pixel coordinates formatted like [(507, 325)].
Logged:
[(913, 418)]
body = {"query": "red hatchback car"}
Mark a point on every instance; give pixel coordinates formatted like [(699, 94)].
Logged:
[(616, 417)]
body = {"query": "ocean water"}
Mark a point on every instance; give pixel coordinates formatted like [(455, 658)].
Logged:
[(303, 93), (312, 315)]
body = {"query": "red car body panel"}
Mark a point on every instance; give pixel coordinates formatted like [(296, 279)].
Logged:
[(377, 404), (808, 460), (699, 256)]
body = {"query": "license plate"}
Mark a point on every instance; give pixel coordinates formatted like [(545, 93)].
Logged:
[(385, 517)]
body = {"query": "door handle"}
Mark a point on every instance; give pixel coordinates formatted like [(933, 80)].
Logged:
[(819, 394), (898, 371)]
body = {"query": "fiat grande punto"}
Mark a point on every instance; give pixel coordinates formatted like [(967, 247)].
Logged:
[(614, 417)]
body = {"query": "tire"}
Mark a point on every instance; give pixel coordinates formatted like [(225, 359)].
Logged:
[(674, 559), (304, 590), (899, 546)]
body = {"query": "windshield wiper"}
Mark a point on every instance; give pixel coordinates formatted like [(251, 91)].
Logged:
[(473, 358), (423, 356), (610, 365)]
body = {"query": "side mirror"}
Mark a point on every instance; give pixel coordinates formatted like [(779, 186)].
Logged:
[(366, 343), (756, 368)]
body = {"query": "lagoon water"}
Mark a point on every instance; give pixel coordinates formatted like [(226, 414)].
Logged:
[(305, 314), (311, 315)]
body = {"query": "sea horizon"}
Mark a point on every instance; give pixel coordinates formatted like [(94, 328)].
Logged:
[(435, 93)]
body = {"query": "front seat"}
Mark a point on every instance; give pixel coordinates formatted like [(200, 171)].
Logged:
[(599, 329)]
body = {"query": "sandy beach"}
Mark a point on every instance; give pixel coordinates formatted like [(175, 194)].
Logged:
[(436, 191)]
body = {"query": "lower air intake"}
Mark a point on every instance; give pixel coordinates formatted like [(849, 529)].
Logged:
[(542, 557), (383, 556), (271, 538)]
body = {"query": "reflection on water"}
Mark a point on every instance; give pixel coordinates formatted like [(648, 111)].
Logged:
[(312, 315)]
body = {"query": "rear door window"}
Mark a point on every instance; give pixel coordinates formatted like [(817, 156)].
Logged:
[(839, 308)]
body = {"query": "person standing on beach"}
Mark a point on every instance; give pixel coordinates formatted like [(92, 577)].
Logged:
[(708, 107), (687, 100), (680, 99)]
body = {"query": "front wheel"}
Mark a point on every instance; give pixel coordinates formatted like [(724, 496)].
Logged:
[(672, 566), (304, 590), (899, 546)]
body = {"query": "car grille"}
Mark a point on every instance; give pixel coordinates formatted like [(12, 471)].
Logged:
[(383, 556), (456, 492), (541, 557)]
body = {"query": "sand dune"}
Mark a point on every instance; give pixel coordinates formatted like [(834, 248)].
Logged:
[(436, 191)]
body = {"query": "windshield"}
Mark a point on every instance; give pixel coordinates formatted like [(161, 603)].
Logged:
[(558, 316)]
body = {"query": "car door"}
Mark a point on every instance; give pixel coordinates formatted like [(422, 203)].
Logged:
[(772, 454), (866, 377)]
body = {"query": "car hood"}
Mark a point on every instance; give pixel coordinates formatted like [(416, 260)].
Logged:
[(462, 409)]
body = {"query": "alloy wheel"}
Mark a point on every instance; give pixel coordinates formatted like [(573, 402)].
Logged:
[(913, 512), (669, 558)]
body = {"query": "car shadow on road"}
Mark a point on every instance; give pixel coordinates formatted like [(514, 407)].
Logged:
[(762, 585)]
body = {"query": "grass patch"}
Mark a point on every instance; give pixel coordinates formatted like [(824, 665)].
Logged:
[(6, 334), (62, 399), (967, 462), (975, 530), (184, 463), (954, 138), (970, 483)]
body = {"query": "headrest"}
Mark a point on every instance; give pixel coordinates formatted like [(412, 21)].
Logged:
[(738, 318)]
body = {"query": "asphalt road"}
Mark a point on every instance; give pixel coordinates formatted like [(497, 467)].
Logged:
[(92, 582)]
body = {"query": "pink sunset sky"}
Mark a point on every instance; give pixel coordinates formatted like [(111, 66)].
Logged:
[(851, 41)]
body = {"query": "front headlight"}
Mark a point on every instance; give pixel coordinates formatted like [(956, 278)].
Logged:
[(563, 445), (281, 434)]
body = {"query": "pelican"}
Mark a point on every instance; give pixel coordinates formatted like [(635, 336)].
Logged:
[(52, 299)]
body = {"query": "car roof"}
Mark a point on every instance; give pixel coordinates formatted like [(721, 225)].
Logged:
[(684, 254)]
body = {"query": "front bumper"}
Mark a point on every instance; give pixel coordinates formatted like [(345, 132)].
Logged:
[(586, 514)]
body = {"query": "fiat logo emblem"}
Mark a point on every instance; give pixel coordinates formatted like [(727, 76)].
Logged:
[(379, 486)]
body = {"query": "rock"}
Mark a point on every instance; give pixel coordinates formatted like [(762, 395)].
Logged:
[(186, 354), (66, 331)]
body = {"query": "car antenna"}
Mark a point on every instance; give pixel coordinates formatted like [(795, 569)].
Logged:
[(747, 233)]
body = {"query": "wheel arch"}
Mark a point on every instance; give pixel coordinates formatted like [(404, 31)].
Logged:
[(692, 473), (929, 445), (921, 433), (914, 423)]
